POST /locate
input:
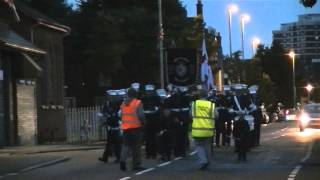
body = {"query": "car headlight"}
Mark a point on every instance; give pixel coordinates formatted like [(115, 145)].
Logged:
[(304, 118)]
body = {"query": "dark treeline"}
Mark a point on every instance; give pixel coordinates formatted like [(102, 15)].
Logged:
[(114, 43)]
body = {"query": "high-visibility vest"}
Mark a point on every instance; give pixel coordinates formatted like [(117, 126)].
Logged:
[(129, 115), (203, 118)]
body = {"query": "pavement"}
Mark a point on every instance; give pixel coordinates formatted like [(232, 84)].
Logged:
[(14, 150)]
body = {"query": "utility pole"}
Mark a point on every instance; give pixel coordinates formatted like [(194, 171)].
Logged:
[(161, 36)]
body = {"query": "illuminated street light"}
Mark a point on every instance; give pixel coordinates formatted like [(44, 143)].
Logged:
[(244, 18), (231, 9), (292, 55), (255, 42), (309, 88)]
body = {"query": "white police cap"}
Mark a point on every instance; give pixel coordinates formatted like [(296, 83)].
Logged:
[(121, 92), (135, 86), (112, 92), (149, 87), (161, 92)]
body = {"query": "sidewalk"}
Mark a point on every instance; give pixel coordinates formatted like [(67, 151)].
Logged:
[(13, 150)]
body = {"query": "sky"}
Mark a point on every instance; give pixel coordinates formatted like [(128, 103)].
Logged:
[(265, 16)]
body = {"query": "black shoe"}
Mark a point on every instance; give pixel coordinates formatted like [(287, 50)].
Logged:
[(105, 160), (139, 168), (204, 167), (123, 166)]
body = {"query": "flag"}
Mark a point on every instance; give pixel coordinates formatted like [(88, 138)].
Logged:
[(206, 71), (13, 7)]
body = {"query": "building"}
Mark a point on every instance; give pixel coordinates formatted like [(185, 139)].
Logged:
[(31, 76), (303, 37)]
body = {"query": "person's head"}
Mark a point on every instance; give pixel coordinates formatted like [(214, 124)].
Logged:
[(132, 93), (203, 93)]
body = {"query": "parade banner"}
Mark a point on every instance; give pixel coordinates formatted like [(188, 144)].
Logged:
[(181, 66)]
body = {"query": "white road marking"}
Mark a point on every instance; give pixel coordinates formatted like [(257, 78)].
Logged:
[(193, 153), (144, 171), (177, 158), (1, 177), (164, 164), (44, 164), (296, 170), (11, 174), (292, 176), (125, 178)]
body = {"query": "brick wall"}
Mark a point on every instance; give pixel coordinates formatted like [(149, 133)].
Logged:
[(26, 113)]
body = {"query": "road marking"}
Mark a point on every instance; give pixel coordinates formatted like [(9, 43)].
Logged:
[(193, 153), (144, 171), (177, 158), (11, 174), (292, 176), (296, 170), (1, 177), (44, 164), (164, 164), (125, 178)]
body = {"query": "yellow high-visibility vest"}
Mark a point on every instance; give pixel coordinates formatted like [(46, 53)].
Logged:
[(203, 118)]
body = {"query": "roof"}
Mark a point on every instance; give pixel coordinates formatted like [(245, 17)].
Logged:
[(40, 18), (10, 39)]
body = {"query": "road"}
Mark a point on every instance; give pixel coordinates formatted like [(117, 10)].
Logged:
[(284, 154)]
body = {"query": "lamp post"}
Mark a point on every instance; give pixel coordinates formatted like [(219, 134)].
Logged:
[(309, 88), (244, 18), (231, 9), (161, 36), (255, 42), (292, 55)]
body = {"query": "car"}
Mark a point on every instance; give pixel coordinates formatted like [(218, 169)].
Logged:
[(309, 116), (291, 114)]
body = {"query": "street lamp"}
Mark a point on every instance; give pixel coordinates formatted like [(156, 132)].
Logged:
[(231, 9), (161, 36), (244, 18), (255, 42), (309, 88), (292, 55)]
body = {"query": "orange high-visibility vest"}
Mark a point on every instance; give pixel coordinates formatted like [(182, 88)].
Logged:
[(129, 115)]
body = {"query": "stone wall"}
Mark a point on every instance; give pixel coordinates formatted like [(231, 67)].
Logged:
[(26, 113)]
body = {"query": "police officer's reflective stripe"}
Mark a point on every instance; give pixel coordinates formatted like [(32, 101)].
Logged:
[(150, 111), (179, 109), (114, 128)]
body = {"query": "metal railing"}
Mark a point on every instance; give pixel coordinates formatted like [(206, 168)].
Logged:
[(84, 125)]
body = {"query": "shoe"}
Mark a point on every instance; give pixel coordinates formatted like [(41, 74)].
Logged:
[(139, 168), (103, 159), (204, 167), (123, 166)]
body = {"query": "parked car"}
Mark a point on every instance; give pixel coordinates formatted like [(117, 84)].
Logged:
[(309, 116)]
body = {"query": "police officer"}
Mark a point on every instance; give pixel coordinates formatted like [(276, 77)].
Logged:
[(241, 137), (110, 111), (166, 133), (151, 104), (203, 125), (180, 103)]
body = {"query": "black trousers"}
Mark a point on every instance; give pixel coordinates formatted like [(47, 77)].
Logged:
[(132, 143), (166, 142), (113, 145), (221, 132), (151, 130), (241, 147)]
